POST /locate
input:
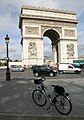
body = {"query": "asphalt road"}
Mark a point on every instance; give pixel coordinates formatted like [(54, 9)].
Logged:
[(28, 75), (16, 95)]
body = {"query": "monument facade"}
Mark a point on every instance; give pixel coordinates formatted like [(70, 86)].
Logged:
[(58, 25)]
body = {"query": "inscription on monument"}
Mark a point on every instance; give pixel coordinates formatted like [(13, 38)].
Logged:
[(47, 13)]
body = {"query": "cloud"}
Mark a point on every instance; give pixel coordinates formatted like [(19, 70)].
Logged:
[(81, 43), (71, 5), (9, 20), (14, 49), (2, 49), (81, 49)]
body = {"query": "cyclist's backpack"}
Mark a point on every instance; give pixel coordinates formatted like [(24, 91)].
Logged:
[(59, 89)]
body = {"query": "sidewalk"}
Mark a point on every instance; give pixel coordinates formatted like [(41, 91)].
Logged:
[(16, 100)]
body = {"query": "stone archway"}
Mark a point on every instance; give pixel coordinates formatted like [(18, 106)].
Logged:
[(60, 26), (54, 37)]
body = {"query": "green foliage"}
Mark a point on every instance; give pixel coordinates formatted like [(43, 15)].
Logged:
[(16, 60), (3, 64), (0, 63)]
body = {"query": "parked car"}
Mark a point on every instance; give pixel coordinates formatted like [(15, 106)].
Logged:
[(43, 71), (16, 68)]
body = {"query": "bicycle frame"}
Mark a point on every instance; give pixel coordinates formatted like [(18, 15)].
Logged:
[(44, 89)]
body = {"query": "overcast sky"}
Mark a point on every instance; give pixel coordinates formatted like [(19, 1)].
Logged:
[(9, 20)]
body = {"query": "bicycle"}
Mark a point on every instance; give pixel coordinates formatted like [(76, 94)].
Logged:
[(58, 97)]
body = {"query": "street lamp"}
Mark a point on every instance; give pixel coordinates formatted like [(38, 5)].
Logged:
[(7, 69)]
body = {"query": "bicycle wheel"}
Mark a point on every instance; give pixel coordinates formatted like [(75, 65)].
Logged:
[(39, 97), (63, 105)]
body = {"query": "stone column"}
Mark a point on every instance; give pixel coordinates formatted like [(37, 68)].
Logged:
[(54, 54)]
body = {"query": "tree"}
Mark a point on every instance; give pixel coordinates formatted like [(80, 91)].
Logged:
[(16, 60), (0, 63)]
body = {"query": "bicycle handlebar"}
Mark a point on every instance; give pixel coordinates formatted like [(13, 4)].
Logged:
[(39, 80), (43, 78)]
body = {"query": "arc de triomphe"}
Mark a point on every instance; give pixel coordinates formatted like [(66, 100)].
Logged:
[(58, 25)]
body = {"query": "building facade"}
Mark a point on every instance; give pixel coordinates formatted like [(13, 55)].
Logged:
[(58, 25)]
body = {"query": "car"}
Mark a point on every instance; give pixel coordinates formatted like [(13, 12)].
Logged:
[(35, 67), (68, 68), (52, 66), (43, 71), (16, 68)]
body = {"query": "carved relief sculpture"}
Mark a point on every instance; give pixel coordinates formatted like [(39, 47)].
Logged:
[(32, 30), (32, 49), (70, 50), (69, 33)]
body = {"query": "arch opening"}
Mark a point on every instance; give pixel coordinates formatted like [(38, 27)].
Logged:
[(53, 36), (47, 47)]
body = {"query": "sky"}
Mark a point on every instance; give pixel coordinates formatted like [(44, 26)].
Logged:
[(9, 21)]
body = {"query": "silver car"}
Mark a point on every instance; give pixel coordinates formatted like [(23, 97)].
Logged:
[(16, 68)]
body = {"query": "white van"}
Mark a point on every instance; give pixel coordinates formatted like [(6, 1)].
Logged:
[(68, 68)]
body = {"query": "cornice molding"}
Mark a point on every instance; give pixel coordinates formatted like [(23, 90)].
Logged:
[(48, 9)]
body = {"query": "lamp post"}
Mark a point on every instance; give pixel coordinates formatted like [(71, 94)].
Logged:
[(7, 69)]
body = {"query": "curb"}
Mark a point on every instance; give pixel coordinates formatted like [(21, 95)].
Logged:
[(25, 117)]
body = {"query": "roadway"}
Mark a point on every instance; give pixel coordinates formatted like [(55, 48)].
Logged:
[(28, 74), (16, 95)]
